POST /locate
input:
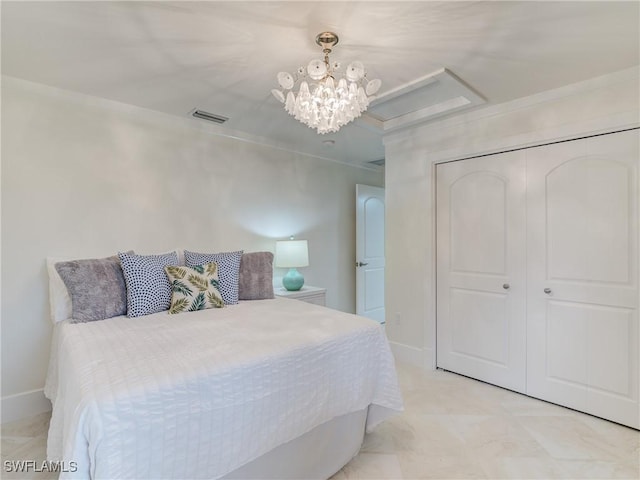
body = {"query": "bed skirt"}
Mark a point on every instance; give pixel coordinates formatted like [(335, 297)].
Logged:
[(318, 454)]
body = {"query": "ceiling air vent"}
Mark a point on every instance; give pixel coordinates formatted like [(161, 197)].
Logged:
[(210, 117)]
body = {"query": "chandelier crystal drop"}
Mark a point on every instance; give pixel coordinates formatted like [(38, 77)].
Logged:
[(324, 102)]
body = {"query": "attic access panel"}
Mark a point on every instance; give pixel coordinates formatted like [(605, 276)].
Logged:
[(431, 96)]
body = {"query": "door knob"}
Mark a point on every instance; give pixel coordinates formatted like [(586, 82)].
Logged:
[(547, 291), (506, 286), (360, 264)]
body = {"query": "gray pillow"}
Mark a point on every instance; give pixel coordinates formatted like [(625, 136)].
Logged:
[(96, 288), (256, 276)]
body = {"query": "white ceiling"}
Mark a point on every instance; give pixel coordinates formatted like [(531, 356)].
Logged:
[(223, 57)]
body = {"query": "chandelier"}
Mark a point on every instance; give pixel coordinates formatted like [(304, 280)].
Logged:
[(324, 102)]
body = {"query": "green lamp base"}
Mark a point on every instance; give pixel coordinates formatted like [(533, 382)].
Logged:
[(293, 280)]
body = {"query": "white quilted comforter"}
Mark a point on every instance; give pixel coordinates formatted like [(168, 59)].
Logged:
[(197, 395)]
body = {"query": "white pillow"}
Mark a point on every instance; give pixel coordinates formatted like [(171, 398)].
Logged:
[(180, 254), (59, 298)]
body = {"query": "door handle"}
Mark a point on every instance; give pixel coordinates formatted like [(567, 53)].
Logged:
[(506, 286), (547, 291), (360, 264)]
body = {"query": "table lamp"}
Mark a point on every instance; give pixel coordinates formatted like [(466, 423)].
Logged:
[(292, 254)]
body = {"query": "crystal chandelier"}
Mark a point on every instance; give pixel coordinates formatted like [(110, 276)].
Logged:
[(324, 102)]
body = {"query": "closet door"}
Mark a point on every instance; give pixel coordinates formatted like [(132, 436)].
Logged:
[(582, 324), (481, 259)]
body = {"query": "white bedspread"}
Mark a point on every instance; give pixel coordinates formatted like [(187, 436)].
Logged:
[(197, 395)]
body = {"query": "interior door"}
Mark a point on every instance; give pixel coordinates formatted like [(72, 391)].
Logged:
[(583, 275), (481, 256), (370, 262)]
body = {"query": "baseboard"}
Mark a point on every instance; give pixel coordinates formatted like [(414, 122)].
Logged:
[(24, 405), (429, 359), (407, 354)]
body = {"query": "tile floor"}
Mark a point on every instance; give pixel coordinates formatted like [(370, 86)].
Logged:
[(25, 440), (452, 428)]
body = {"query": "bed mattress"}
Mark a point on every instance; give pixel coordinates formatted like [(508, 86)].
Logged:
[(199, 394)]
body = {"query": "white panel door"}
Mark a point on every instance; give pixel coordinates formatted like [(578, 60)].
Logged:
[(370, 261), (481, 258), (582, 324)]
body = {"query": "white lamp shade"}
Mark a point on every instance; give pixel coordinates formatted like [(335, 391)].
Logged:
[(292, 254)]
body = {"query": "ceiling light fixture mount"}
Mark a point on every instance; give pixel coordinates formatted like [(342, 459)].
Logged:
[(322, 103)]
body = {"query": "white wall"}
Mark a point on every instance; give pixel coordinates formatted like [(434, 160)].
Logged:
[(595, 106), (85, 177)]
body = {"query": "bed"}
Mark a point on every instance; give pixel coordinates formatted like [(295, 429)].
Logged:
[(273, 388)]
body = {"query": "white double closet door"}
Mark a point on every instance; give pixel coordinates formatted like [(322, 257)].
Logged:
[(537, 272)]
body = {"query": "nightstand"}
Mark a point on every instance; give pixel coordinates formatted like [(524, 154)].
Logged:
[(307, 293)]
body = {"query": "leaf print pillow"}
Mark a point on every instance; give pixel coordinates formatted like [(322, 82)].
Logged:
[(194, 288)]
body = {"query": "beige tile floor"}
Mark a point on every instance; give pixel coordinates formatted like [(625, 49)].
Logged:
[(452, 428)]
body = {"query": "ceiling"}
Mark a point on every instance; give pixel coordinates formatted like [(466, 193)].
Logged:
[(223, 57)]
